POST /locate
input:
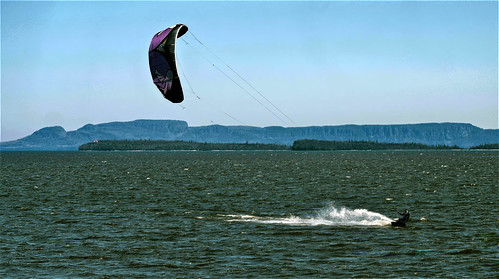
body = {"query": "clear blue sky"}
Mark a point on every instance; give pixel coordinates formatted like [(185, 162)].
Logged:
[(321, 63)]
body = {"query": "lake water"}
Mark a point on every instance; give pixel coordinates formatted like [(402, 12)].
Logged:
[(249, 214)]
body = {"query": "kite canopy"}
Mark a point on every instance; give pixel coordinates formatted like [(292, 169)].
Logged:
[(162, 62)]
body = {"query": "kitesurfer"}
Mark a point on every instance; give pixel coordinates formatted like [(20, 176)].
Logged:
[(402, 220), (405, 217)]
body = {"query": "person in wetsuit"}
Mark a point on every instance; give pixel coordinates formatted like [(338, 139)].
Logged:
[(404, 218)]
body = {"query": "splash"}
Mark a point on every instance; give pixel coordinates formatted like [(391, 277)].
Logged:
[(329, 216)]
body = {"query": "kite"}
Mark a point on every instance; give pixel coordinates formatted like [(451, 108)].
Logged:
[(162, 62)]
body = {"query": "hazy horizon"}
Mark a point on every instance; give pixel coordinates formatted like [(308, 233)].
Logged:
[(347, 124)]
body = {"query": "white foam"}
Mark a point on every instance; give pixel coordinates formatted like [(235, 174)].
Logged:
[(330, 216)]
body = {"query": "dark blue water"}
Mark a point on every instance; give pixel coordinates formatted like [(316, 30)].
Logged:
[(248, 214)]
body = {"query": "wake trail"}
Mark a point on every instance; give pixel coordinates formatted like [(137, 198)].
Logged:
[(329, 216)]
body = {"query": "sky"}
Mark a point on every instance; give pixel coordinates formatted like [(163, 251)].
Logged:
[(312, 63)]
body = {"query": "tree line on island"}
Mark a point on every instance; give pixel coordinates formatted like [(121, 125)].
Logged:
[(299, 145), (111, 145), (361, 145)]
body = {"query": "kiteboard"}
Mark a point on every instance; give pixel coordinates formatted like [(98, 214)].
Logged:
[(398, 223)]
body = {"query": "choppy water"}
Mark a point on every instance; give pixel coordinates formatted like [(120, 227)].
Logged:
[(248, 214)]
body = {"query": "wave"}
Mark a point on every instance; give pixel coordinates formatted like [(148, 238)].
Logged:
[(329, 216)]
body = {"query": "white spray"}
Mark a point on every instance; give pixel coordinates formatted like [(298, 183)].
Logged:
[(329, 216)]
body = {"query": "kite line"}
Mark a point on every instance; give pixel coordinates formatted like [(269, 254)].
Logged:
[(238, 83), (199, 98)]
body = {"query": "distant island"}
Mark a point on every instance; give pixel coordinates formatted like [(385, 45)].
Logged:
[(432, 134), (486, 146), (299, 145), (164, 145), (362, 145)]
